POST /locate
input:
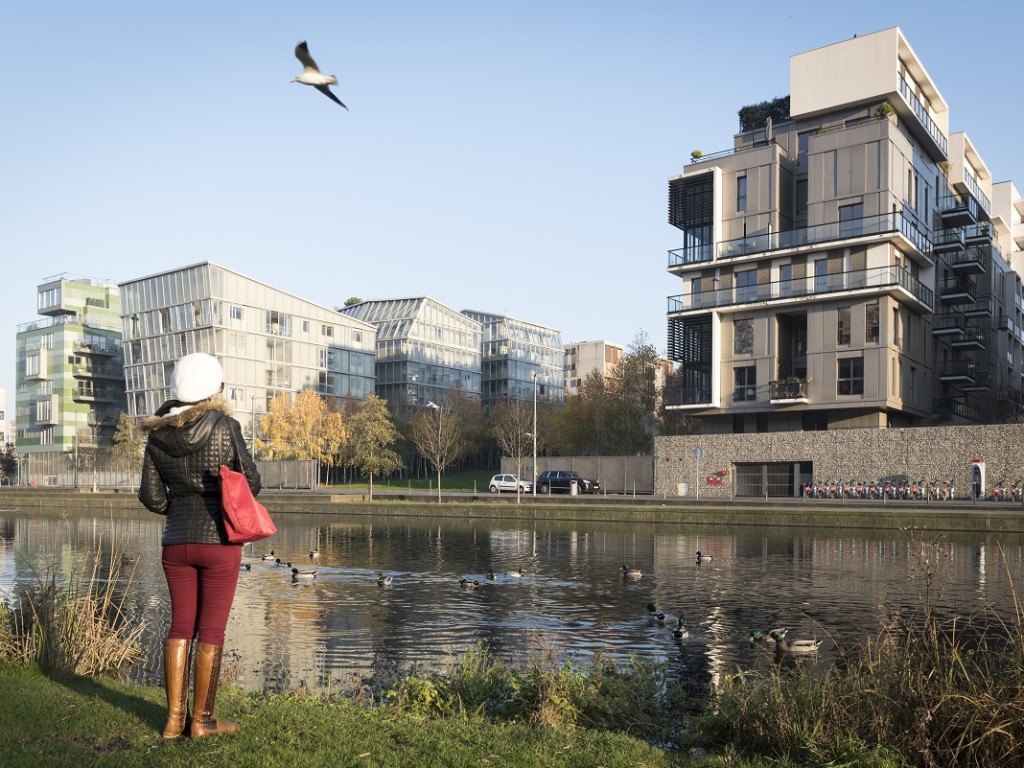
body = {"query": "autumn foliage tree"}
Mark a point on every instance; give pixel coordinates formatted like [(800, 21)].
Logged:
[(304, 429), (371, 437), (511, 426), (129, 444), (437, 432)]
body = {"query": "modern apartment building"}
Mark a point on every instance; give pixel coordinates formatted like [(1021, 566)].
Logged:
[(70, 376), (423, 349), (518, 356), (847, 262), (267, 341), (583, 357)]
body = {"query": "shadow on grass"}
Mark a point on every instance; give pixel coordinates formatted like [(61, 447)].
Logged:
[(151, 713)]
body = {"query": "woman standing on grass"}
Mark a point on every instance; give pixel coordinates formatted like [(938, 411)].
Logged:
[(190, 436)]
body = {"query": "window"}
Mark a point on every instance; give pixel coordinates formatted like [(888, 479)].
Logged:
[(743, 337), (850, 216), (746, 285), (696, 293), (913, 383), (801, 152), (786, 280), (821, 276), (896, 326), (801, 197), (327, 330), (843, 325), (305, 326), (357, 337), (851, 376), (746, 383), (236, 313), (741, 194), (871, 316)]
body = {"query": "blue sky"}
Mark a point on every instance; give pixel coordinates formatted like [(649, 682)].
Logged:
[(509, 157)]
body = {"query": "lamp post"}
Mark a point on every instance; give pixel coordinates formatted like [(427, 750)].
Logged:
[(252, 424), (436, 407), (534, 489)]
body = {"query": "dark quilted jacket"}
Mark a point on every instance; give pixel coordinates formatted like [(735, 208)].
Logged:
[(180, 478)]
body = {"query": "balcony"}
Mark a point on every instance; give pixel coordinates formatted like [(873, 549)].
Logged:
[(98, 395), (956, 407), (971, 184), (980, 308), (958, 290), (877, 280), (97, 372), (972, 260), (982, 380), (869, 226), (948, 324), (786, 391), (687, 396), (927, 130), (978, 234), (110, 349), (962, 371), (682, 257), (958, 210), (949, 240), (971, 338)]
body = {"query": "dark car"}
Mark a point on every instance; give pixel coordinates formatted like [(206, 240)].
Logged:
[(560, 480)]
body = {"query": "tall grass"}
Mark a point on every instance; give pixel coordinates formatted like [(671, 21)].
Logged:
[(635, 697), (926, 691), (75, 623)]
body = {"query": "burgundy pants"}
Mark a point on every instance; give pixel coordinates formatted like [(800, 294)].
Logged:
[(201, 579)]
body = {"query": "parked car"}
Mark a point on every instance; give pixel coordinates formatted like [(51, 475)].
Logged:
[(560, 480), (501, 483)]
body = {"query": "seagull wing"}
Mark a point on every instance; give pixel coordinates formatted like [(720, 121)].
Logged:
[(302, 54), (329, 94)]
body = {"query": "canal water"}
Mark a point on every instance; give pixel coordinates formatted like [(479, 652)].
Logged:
[(838, 586)]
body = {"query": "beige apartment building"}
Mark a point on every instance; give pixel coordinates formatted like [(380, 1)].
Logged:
[(848, 262)]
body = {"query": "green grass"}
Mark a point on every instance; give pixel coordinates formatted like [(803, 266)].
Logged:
[(66, 720), (476, 480)]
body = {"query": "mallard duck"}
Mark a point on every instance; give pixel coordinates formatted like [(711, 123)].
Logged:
[(651, 609), (760, 635), (468, 583), (491, 575), (298, 575), (246, 567), (383, 581), (517, 574), (701, 558), (630, 573), (314, 554), (270, 556), (127, 560), (680, 632), (794, 646)]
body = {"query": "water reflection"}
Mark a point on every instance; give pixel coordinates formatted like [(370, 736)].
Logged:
[(572, 600)]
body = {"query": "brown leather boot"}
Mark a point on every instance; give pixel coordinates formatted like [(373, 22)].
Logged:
[(205, 685), (176, 652)]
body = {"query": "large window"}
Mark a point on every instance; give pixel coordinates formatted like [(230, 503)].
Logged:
[(746, 383), (741, 194), (843, 325), (850, 219), (871, 332), (851, 376), (821, 276), (743, 337), (746, 285)]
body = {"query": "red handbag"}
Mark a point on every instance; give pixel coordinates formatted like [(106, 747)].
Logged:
[(244, 518)]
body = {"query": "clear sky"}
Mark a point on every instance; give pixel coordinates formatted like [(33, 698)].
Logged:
[(507, 157)]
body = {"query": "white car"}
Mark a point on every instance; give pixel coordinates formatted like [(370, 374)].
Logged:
[(501, 483)]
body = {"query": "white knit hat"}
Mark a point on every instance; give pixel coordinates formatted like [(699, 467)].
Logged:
[(196, 377)]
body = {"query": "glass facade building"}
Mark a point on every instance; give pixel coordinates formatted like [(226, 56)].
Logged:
[(70, 376), (423, 349), (266, 340), (512, 352)]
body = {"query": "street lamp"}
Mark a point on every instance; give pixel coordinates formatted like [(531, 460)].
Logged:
[(534, 489)]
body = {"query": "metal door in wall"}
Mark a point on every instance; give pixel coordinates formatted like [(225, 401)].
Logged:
[(763, 480)]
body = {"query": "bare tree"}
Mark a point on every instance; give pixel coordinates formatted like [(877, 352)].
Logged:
[(512, 422), (438, 435)]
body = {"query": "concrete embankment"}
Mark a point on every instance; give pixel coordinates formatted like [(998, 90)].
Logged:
[(988, 517)]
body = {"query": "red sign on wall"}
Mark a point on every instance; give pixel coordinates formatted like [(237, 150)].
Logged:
[(714, 480)]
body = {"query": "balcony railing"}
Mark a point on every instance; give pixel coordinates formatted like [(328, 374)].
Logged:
[(880, 278), (825, 233), (956, 408), (972, 186), (958, 290), (788, 389), (687, 396), (921, 112), (960, 209)]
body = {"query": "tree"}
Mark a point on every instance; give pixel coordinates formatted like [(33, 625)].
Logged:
[(304, 429), (512, 428), (438, 435), (8, 464), (371, 435), (129, 445), (637, 419), (352, 301)]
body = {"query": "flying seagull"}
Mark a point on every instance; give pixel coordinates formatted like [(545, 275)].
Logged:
[(311, 74)]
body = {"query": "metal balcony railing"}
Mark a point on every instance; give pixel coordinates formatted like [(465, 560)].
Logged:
[(687, 396), (788, 389), (921, 112), (881, 278), (972, 185)]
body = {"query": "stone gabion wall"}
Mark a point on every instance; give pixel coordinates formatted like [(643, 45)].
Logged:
[(929, 454)]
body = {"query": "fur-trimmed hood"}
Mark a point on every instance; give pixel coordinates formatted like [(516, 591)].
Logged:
[(180, 432)]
